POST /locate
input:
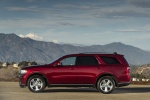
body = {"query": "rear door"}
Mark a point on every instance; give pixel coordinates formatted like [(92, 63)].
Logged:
[(87, 68)]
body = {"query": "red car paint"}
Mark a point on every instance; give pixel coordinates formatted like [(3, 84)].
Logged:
[(56, 74)]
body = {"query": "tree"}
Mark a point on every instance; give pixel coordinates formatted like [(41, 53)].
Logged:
[(34, 63), (23, 63)]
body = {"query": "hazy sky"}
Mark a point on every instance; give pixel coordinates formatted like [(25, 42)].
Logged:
[(87, 22)]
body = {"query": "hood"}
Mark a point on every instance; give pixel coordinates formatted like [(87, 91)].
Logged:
[(34, 66)]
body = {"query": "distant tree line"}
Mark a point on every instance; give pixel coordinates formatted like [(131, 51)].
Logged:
[(20, 64), (25, 63)]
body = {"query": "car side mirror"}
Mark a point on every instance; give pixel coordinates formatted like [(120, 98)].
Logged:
[(58, 64)]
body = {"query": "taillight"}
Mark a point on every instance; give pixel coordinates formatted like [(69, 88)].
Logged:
[(128, 69)]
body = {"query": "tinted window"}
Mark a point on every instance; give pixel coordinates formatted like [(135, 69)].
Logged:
[(86, 60), (110, 60), (68, 61)]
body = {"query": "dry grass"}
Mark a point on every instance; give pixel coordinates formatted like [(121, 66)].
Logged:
[(9, 74), (9, 80)]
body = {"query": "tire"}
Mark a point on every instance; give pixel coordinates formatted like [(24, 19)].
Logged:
[(105, 85), (36, 84)]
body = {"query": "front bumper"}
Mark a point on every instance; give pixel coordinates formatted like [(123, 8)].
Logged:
[(22, 82), (22, 85)]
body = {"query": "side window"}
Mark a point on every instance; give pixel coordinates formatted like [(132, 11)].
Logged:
[(87, 60), (110, 60), (68, 61)]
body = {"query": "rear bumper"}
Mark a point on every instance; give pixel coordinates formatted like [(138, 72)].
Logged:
[(123, 84)]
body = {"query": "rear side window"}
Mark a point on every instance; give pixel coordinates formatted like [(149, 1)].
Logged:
[(110, 60), (125, 60), (87, 60)]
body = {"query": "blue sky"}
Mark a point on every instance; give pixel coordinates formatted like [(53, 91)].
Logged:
[(87, 22)]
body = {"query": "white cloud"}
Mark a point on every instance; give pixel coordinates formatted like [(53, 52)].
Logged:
[(32, 36), (37, 37), (55, 41), (129, 30), (15, 8)]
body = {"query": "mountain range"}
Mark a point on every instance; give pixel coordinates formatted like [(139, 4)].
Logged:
[(15, 49)]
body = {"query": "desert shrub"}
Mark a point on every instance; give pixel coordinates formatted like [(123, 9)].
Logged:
[(8, 73), (23, 63)]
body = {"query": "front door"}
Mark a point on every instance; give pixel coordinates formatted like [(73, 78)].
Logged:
[(64, 73)]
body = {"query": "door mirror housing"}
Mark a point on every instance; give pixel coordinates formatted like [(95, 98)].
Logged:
[(58, 64)]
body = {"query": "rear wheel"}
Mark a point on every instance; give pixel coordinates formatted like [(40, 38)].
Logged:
[(36, 83), (105, 85)]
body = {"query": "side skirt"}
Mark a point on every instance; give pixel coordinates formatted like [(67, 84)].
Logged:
[(71, 85)]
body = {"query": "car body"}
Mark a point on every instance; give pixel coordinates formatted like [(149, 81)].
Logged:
[(104, 71)]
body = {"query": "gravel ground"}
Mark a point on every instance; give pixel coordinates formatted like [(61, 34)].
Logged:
[(12, 91)]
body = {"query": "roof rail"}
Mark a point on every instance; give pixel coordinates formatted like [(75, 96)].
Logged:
[(99, 53)]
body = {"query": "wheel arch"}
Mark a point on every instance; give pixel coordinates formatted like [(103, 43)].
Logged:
[(38, 74), (107, 74)]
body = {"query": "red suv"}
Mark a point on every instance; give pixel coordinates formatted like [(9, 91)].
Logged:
[(100, 70)]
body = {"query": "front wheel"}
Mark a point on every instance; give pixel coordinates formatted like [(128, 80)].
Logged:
[(36, 84), (105, 85)]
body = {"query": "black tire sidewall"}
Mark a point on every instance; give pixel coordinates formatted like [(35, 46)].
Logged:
[(41, 78), (99, 81)]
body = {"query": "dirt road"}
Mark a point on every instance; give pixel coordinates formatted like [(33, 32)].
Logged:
[(12, 91)]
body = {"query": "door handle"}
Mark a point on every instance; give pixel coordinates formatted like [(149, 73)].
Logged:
[(71, 68), (98, 68)]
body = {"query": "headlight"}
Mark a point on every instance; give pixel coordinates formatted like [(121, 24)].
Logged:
[(23, 71)]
